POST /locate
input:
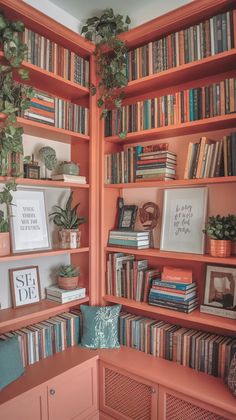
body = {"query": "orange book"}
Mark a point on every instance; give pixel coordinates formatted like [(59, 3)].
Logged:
[(177, 274)]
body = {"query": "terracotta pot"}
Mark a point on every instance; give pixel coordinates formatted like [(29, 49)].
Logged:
[(69, 238), (67, 283), (4, 244), (220, 248)]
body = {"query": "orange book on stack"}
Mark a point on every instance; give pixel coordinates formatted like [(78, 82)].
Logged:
[(177, 274)]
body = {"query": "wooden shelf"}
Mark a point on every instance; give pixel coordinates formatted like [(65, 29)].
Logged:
[(52, 83), (157, 253), (44, 183), (194, 127), (175, 183), (48, 131), (39, 254), (196, 318), (15, 318), (180, 76)]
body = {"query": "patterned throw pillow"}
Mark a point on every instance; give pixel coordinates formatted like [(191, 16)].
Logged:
[(231, 379), (100, 326), (11, 366)]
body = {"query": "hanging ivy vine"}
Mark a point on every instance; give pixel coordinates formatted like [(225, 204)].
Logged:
[(14, 97), (111, 67)]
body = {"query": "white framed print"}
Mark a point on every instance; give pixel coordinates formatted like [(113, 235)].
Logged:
[(184, 217), (29, 221), (25, 285)]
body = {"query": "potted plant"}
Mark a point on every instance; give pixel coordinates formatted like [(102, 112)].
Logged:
[(68, 222), (68, 277), (221, 231)]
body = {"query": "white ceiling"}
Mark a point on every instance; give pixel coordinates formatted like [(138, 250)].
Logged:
[(140, 11)]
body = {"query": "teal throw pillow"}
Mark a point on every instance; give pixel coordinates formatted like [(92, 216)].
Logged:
[(11, 366), (100, 326)]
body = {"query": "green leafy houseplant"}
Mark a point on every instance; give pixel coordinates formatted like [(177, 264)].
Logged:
[(221, 227), (68, 276), (5, 198), (221, 231), (68, 221), (111, 67), (13, 96)]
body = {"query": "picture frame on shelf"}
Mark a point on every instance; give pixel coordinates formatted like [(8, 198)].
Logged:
[(184, 217), (25, 286), (127, 217), (220, 291), (29, 221)]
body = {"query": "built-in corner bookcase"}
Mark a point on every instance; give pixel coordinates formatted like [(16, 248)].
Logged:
[(188, 75), (69, 145)]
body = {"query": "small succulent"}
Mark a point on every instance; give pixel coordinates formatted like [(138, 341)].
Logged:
[(68, 271), (67, 218), (221, 227)]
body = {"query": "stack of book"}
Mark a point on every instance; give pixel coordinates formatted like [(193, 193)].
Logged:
[(209, 158), (64, 296), (80, 179), (157, 165), (52, 57), (129, 239), (175, 290), (129, 278), (42, 108), (181, 107)]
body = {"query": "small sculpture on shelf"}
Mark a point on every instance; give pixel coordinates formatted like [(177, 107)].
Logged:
[(48, 156), (31, 168), (68, 168), (68, 222), (149, 214)]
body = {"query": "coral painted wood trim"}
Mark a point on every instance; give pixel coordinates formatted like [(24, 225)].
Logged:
[(44, 183), (188, 128), (39, 254), (157, 253), (39, 22), (175, 183), (179, 18), (16, 318), (196, 318)]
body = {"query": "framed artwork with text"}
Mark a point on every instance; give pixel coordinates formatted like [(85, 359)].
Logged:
[(184, 216), (29, 221), (25, 285)]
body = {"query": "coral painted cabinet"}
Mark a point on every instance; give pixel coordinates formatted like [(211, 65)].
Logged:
[(27, 406), (74, 395), (126, 397)]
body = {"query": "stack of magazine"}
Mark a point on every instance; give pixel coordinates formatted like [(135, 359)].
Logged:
[(64, 296)]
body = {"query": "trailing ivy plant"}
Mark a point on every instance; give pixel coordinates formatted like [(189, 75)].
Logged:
[(14, 97), (111, 67)]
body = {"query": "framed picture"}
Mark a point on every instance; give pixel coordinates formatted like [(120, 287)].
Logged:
[(29, 221), (127, 217), (184, 216), (220, 287), (25, 285)]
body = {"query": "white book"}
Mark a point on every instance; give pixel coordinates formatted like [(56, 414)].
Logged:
[(58, 292), (225, 313), (69, 178), (65, 299)]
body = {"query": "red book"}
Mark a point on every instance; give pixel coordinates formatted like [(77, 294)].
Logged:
[(177, 274)]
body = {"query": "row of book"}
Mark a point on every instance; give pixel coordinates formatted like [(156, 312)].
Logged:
[(56, 112), (180, 107), (199, 350), (46, 338), (55, 58), (208, 158), (140, 163), (208, 38), (129, 278)]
